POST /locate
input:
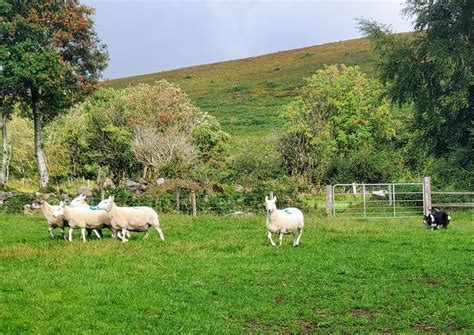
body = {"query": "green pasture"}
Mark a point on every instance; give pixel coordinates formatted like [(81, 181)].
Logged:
[(218, 275)]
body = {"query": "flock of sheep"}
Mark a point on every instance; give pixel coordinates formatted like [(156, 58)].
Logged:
[(79, 215), (122, 220)]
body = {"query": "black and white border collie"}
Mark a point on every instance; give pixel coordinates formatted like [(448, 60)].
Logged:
[(436, 219)]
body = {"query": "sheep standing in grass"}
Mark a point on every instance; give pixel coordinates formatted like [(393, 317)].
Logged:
[(126, 219), (53, 222), (283, 222), (82, 218), (56, 222)]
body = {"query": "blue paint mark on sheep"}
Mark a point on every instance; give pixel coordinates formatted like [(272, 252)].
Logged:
[(93, 208), (289, 210)]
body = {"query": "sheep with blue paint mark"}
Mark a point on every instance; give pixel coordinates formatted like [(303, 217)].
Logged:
[(126, 219), (82, 218), (283, 221)]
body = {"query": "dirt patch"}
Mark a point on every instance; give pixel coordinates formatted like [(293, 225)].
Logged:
[(360, 312), (423, 327), (430, 281), (279, 301), (307, 327), (320, 312)]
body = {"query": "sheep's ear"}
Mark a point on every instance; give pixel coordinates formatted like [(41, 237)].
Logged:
[(275, 198), (266, 198), (61, 203), (112, 197)]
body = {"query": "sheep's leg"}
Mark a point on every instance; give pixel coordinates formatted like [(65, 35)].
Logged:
[(124, 235), (129, 236), (50, 231), (146, 234), (97, 234), (83, 234), (271, 239), (114, 233), (281, 238), (70, 234), (298, 238), (158, 229), (62, 232)]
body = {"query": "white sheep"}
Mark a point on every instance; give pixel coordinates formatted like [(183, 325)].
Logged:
[(283, 222), (56, 222), (53, 222), (82, 218), (126, 219)]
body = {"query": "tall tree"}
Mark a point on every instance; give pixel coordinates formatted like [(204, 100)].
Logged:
[(339, 112), (52, 56), (433, 69)]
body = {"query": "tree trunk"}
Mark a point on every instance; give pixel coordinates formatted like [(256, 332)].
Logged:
[(5, 158), (40, 157)]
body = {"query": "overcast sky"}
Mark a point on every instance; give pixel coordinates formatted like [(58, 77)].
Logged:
[(149, 36)]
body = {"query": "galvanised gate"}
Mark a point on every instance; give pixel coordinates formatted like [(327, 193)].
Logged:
[(391, 200)]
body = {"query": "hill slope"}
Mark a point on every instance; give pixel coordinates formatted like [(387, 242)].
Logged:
[(245, 94)]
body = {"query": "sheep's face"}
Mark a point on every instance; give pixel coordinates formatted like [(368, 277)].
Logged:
[(270, 204), (78, 201), (106, 204), (59, 210)]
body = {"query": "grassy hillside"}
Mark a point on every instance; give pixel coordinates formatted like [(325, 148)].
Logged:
[(245, 94), (218, 275)]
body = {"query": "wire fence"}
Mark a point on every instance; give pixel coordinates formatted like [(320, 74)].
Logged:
[(441, 199)]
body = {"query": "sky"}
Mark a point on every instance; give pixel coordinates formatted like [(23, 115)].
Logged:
[(147, 36)]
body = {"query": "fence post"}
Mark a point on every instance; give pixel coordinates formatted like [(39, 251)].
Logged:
[(328, 200), (426, 195), (193, 202), (363, 199)]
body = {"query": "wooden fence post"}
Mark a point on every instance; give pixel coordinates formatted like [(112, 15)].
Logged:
[(193, 202), (426, 195), (328, 200)]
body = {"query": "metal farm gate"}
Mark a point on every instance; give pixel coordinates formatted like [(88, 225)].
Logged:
[(393, 200)]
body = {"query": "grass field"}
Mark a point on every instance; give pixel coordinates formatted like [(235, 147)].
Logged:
[(218, 275)]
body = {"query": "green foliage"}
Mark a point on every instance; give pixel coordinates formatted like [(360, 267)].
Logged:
[(210, 140), (50, 50), (363, 165), (99, 131), (339, 112), (433, 69), (15, 204)]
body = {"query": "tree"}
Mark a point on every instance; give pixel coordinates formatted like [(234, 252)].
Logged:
[(6, 106), (433, 69), (155, 149), (338, 113), (120, 129), (53, 58)]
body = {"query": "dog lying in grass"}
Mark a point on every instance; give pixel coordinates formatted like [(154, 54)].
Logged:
[(437, 219)]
